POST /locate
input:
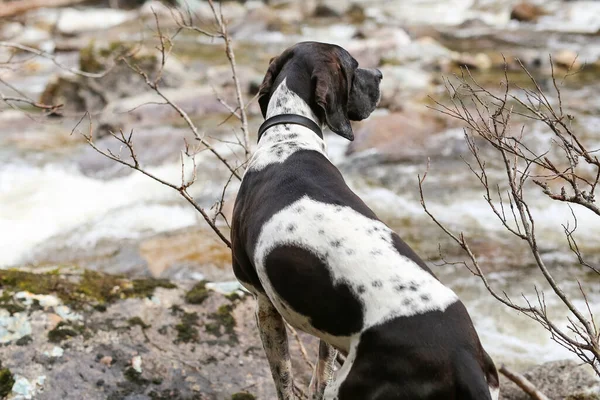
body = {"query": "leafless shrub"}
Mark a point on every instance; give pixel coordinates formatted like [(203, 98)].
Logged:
[(185, 20), (569, 164), (127, 155)]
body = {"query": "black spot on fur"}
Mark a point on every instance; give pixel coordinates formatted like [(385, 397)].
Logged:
[(413, 287), (294, 272), (425, 297), (406, 302), (291, 228), (377, 283), (349, 252), (279, 153), (321, 232), (338, 208), (361, 289), (319, 216), (335, 243), (399, 288)]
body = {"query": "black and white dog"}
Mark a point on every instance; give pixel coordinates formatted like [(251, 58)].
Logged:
[(315, 255)]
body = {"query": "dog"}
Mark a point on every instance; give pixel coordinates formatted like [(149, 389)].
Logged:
[(313, 254)]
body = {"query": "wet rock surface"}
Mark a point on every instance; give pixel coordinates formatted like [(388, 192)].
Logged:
[(90, 340)]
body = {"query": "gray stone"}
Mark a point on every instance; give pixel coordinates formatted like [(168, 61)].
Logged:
[(558, 380), (223, 354)]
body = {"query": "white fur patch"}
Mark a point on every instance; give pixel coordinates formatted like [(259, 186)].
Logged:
[(358, 251), (495, 393), (277, 143)]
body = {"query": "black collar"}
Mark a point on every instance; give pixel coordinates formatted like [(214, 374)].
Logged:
[(289, 119)]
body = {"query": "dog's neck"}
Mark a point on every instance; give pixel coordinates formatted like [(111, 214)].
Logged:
[(286, 101), (281, 141)]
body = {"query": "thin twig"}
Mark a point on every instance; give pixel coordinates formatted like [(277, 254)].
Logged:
[(523, 383)]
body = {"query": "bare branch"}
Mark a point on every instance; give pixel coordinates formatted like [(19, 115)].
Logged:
[(52, 58), (523, 383)]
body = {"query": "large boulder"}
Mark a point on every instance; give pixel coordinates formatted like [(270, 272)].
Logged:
[(559, 380), (97, 336), (402, 136)]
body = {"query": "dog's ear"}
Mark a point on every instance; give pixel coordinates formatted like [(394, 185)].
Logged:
[(331, 95), (275, 66)]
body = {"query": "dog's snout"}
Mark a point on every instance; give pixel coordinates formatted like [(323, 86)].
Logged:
[(378, 74)]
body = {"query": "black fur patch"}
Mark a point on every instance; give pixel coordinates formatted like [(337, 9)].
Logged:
[(297, 275)]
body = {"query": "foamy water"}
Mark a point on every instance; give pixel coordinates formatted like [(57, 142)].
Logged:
[(37, 203)]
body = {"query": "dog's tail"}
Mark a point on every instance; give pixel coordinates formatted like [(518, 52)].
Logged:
[(473, 380)]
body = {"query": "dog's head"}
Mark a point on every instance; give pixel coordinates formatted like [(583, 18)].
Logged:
[(327, 77)]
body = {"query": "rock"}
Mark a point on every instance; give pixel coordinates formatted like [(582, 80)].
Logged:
[(79, 93), (10, 30), (221, 77), (426, 51), (13, 327), (34, 37), (526, 12), (400, 84), (178, 350), (450, 13), (23, 388), (106, 360), (226, 288), (558, 380), (356, 13), (370, 45), (148, 111), (331, 8), (567, 59), (478, 61), (136, 364), (573, 17), (75, 21), (398, 136), (193, 247)]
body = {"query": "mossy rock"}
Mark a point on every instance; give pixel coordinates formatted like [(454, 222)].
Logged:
[(94, 59), (137, 321), (224, 319), (7, 380), (65, 330), (134, 376), (24, 341), (92, 288), (8, 303), (197, 294), (186, 330), (242, 396)]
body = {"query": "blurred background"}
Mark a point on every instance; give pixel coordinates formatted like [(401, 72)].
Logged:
[(62, 203)]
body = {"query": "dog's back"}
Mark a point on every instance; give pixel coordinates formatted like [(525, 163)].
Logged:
[(333, 269)]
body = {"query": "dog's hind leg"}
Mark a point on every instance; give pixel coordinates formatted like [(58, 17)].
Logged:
[(275, 342), (323, 372)]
